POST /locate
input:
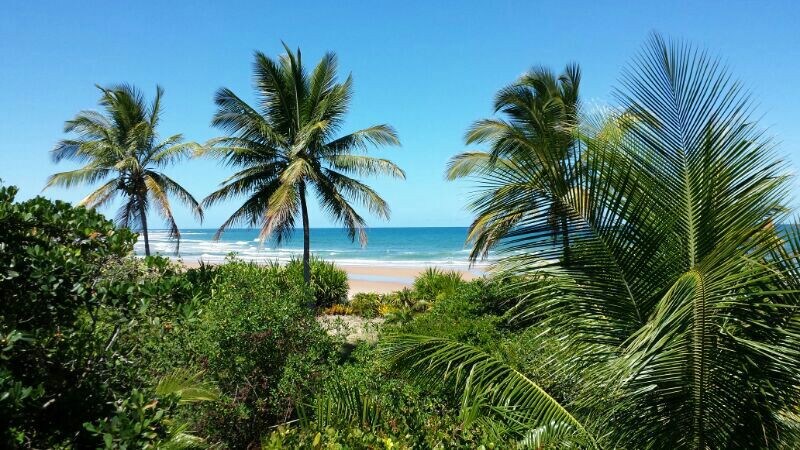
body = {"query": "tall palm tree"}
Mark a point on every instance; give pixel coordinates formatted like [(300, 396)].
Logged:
[(285, 147), (535, 134), (680, 307), (121, 145)]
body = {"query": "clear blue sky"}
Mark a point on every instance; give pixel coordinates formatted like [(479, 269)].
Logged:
[(427, 68)]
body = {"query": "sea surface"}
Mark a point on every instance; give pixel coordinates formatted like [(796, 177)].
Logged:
[(385, 247)]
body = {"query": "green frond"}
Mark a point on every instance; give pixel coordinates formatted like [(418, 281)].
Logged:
[(297, 171), (86, 175), (329, 193), (157, 192), (361, 140), (171, 151), (365, 165), (484, 382), (101, 195), (188, 386), (281, 209), (171, 187)]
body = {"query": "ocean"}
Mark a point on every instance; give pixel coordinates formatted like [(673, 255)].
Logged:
[(386, 246)]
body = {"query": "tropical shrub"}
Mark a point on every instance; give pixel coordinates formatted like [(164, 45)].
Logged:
[(147, 419), (328, 282), (363, 405), (338, 310), (366, 304), (258, 341), (51, 257), (462, 315), (403, 298), (83, 322), (435, 283)]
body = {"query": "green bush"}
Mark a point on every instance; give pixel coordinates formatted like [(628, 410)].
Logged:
[(82, 323), (366, 304), (363, 405), (51, 257), (434, 284), (148, 418), (329, 283), (467, 314), (259, 342)]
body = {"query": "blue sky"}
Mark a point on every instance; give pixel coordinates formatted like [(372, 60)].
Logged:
[(428, 68)]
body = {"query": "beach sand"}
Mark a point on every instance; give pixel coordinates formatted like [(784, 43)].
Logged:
[(383, 279)]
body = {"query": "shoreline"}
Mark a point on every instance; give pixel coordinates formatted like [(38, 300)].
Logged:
[(382, 279)]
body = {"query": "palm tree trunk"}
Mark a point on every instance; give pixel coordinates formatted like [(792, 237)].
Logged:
[(565, 239), (143, 216), (306, 236)]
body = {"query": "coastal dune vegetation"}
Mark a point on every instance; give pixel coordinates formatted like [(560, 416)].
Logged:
[(645, 291)]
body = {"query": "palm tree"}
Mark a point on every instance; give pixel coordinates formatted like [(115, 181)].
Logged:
[(122, 143), (536, 140), (680, 306), (285, 147)]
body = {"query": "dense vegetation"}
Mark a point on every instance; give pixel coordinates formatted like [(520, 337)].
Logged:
[(91, 336), (647, 295)]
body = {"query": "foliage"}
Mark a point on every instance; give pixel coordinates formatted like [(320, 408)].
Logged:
[(285, 147), (328, 282), (646, 297), (338, 309), (51, 257), (83, 323), (465, 315), (123, 143), (146, 420), (679, 292), (540, 112), (365, 304), (490, 389), (435, 283), (365, 405), (261, 345)]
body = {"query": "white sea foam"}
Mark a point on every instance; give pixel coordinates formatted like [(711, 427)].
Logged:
[(390, 247)]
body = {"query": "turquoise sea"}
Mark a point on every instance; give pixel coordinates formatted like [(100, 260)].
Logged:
[(386, 246)]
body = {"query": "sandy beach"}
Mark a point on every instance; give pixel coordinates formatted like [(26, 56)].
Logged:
[(383, 279)]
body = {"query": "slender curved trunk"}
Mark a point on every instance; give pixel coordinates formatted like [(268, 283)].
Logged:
[(143, 216), (306, 236)]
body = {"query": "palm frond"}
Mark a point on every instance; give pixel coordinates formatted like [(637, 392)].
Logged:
[(101, 196), (486, 385), (366, 166), (361, 140), (188, 386), (85, 175)]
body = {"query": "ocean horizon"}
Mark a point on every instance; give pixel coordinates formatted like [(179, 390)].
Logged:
[(386, 246)]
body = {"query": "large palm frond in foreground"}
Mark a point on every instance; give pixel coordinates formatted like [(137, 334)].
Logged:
[(489, 389), (683, 288), (121, 147), (285, 148)]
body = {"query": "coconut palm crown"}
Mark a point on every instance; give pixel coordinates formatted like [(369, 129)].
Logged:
[(285, 148), (539, 113), (678, 315), (121, 146)]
